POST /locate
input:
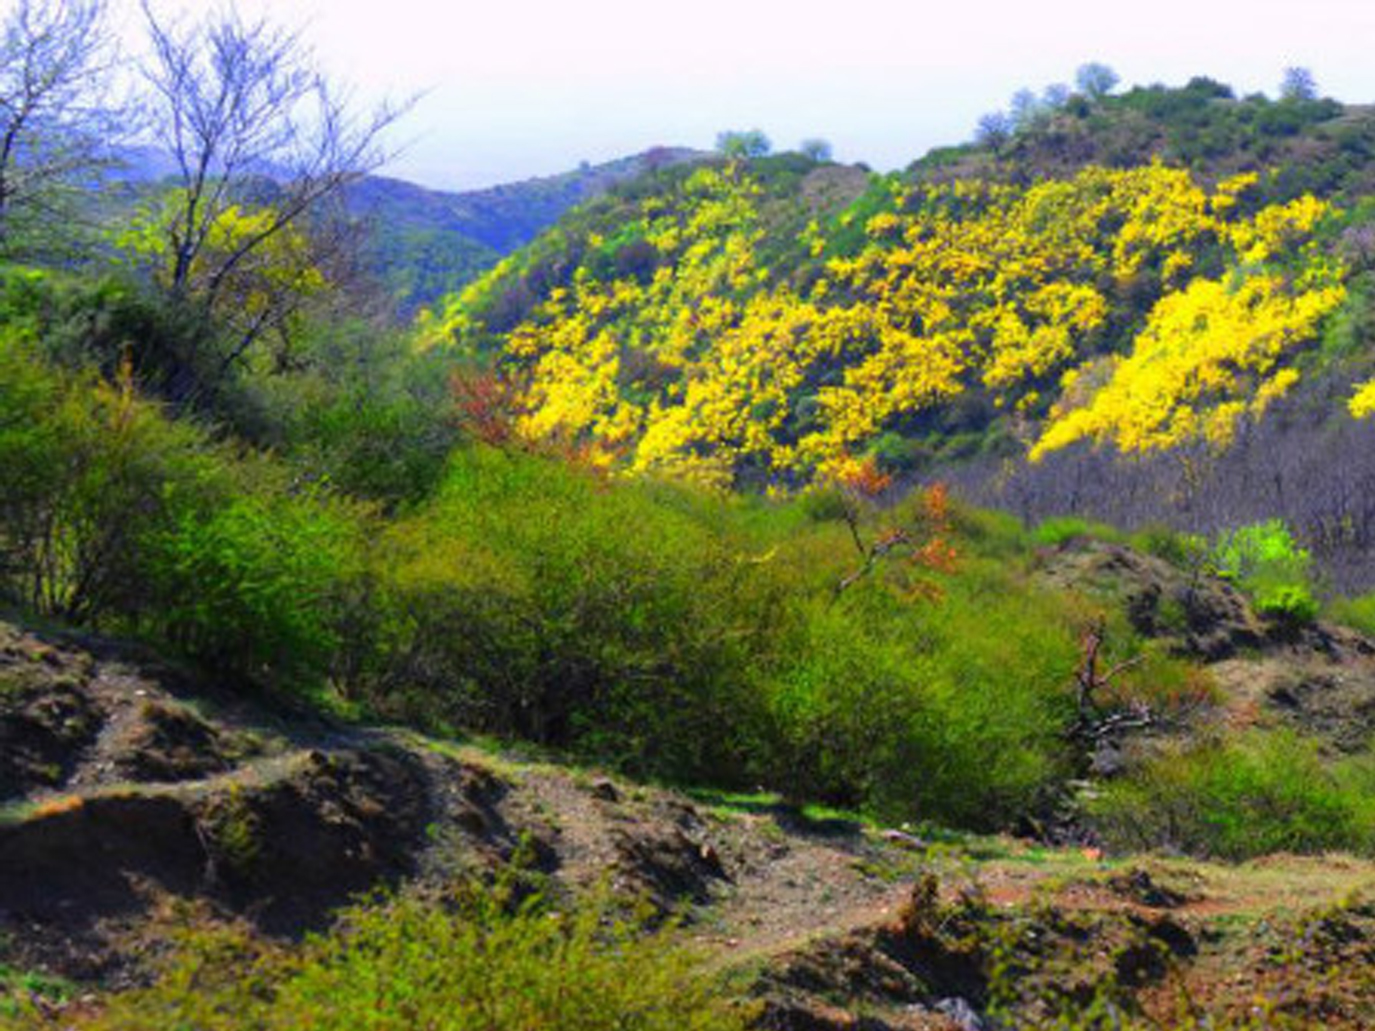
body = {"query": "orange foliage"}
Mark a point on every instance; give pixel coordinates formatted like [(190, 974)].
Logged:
[(57, 806), (864, 479), (483, 405)]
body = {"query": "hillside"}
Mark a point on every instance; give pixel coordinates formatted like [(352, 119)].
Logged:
[(1027, 306), (1309, 144), (427, 242)]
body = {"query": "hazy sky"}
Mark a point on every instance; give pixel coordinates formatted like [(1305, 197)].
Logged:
[(530, 87)]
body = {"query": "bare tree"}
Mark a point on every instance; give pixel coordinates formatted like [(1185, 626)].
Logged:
[(1096, 80), (818, 150), (1055, 96), (1026, 109), (994, 130), (54, 56), (1298, 84), (250, 122)]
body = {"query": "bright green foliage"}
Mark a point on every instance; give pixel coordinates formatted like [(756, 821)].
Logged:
[(93, 473), (19, 988), (111, 323), (1060, 529), (252, 273), (360, 410), (483, 963), (665, 629), (116, 515), (1264, 792), (913, 710), (529, 598), (680, 634), (258, 581), (1264, 560)]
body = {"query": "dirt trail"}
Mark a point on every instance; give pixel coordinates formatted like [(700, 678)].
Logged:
[(125, 787)]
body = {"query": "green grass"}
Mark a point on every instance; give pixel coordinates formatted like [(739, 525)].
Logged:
[(1357, 613), (1060, 529), (19, 987), (484, 960)]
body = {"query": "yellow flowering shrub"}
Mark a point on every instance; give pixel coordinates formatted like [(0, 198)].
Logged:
[(708, 362)]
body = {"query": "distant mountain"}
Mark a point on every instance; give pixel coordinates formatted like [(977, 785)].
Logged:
[(430, 242)]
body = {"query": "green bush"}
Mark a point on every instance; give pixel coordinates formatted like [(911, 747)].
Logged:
[(682, 635), (1266, 791), (478, 964), (93, 472), (1059, 529), (258, 584), (1264, 560), (103, 322), (116, 516), (362, 410), (532, 599), (1185, 551), (945, 704)]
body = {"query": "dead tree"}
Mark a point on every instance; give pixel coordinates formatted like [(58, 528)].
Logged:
[(1096, 723)]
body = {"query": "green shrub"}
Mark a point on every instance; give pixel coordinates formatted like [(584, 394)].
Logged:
[(481, 963), (361, 409), (1184, 551), (93, 472), (102, 322), (946, 705), (257, 585), (1263, 792), (1264, 560), (117, 516), (532, 599)]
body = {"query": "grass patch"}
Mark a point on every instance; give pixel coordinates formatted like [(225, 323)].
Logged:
[(19, 989), (485, 959)]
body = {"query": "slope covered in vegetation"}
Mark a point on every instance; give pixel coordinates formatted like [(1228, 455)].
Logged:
[(1133, 307), (354, 546), (1011, 323)]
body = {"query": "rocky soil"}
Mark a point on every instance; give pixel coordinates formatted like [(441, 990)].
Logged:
[(129, 788)]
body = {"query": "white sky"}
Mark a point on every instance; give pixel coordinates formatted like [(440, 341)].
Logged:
[(517, 88)]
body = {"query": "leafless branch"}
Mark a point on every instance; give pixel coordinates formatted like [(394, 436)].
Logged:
[(55, 120), (245, 114)]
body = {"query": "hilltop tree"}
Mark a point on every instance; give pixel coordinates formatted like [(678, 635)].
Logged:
[(817, 149), (54, 56), (993, 130), (1096, 80), (1026, 107), (749, 143), (1055, 96), (1298, 84)]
